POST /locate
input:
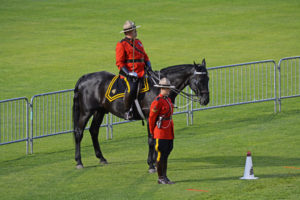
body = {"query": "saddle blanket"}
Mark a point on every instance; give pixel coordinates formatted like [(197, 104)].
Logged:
[(117, 87)]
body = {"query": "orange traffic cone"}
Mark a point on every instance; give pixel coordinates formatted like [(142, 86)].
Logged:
[(248, 173)]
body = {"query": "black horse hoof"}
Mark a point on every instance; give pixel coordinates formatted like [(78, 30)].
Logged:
[(79, 167), (152, 171), (103, 162)]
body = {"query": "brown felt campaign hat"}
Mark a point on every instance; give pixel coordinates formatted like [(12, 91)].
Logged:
[(165, 83), (129, 26)]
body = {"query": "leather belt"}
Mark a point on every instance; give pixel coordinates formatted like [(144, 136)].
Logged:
[(169, 118), (135, 60)]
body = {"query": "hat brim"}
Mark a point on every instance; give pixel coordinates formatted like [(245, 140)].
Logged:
[(165, 86), (127, 30)]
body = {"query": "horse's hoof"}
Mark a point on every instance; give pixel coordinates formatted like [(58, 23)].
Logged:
[(151, 171), (79, 166), (104, 162)]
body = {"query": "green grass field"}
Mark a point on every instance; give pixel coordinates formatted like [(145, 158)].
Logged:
[(47, 45)]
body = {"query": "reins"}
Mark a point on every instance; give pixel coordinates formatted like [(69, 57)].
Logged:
[(153, 76)]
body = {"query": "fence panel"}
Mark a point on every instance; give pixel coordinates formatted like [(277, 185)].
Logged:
[(51, 114), (14, 121), (289, 78), (241, 84)]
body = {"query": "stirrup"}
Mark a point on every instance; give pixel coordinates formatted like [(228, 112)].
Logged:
[(128, 115)]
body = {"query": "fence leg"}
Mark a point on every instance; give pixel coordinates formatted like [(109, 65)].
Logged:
[(188, 112), (27, 127), (275, 86), (107, 126), (31, 128), (192, 114), (279, 85), (111, 126), (187, 117), (279, 104)]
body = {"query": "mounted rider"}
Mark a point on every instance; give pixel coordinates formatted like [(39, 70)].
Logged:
[(132, 61)]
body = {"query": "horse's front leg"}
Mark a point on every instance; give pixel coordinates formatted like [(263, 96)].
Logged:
[(152, 153), (94, 131)]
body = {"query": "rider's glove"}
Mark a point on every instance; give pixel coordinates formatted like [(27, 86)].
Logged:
[(133, 74)]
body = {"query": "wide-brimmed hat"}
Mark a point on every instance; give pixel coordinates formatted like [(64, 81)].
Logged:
[(165, 83), (129, 26)]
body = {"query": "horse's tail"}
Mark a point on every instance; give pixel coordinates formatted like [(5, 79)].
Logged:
[(76, 106)]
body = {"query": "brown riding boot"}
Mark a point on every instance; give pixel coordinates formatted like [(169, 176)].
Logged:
[(164, 172), (161, 179)]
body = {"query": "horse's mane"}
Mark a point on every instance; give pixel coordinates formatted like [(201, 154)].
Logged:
[(175, 68)]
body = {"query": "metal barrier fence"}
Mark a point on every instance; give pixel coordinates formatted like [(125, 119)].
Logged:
[(14, 121), (289, 78), (239, 84), (51, 113)]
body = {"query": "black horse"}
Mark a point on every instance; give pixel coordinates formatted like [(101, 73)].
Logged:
[(89, 100)]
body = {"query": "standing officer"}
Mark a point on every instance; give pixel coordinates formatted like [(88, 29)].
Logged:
[(162, 128), (131, 60)]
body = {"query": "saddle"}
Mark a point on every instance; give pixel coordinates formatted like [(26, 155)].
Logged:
[(117, 87)]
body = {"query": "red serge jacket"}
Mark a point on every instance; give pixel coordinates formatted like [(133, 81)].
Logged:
[(124, 56), (161, 107)]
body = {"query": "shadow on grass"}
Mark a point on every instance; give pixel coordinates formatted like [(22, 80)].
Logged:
[(211, 162), (48, 158), (239, 161), (40, 159), (262, 176)]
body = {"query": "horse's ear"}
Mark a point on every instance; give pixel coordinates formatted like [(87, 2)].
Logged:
[(195, 64), (203, 62)]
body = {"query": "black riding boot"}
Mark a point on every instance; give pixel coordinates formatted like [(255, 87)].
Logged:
[(159, 166), (129, 98), (128, 101), (164, 172)]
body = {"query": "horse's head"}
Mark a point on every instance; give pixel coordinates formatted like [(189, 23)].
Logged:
[(199, 82)]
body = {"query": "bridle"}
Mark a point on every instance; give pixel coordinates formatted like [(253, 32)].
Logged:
[(188, 96), (202, 73)]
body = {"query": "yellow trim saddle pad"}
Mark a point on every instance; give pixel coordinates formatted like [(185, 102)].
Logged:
[(117, 87)]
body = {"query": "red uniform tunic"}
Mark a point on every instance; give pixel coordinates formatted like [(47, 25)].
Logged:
[(161, 107), (124, 56)]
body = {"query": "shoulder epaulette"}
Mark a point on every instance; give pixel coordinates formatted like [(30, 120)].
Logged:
[(157, 98)]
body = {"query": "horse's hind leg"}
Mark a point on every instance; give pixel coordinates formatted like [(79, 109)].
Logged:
[(94, 131), (78, 134)]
